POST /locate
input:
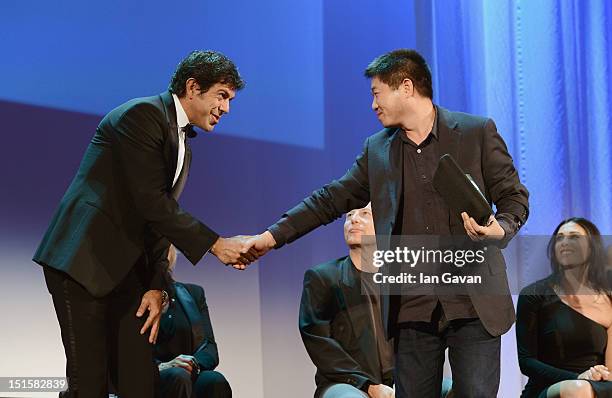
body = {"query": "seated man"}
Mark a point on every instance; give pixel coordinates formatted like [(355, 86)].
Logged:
[(341, 327), (186, 352)]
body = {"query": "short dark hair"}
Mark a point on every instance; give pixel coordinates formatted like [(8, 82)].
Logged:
[(207, 68), (596, 277), (395, 66)]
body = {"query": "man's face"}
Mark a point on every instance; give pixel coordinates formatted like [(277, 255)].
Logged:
[(358, 223), (388, 103), (205, 109)]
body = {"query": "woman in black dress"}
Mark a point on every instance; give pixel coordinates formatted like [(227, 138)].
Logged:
[(564, 322)]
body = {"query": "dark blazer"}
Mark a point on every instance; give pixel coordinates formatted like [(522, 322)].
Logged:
[(186, 329), (336, 330), (120, 203), (376, 176)]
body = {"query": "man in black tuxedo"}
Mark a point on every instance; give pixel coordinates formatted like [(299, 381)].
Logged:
[(395, 172), (117, 218)]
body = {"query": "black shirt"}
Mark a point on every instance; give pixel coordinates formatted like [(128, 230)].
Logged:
[(424, 212)]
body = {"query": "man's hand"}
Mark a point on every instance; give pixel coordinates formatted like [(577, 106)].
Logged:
[(186, 362), (604, 372), (380, 391), (263, 243), (152, 302), (234, 251), (491, 231), (596, 373)]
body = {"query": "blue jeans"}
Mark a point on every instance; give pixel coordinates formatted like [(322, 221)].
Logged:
[(473, 354)]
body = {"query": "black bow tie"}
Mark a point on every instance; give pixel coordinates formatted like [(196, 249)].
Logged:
[(189, 130)]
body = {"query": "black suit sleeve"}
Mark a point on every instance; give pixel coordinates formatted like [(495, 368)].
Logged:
[(208, 357), (316, 315), (503, 183), (327, 204), (156, 251), (527, 344), (139, 149)]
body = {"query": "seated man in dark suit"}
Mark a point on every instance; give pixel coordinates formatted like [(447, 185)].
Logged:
[(341, 327), (340, 321), (186, 352)]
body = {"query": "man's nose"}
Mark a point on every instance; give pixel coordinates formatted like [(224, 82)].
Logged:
[(225, 106)]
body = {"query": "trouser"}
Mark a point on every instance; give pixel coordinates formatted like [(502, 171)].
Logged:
[(178, 383), (472, 352), (342, 390), (101, 338)]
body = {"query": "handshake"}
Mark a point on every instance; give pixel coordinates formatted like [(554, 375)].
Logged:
[(240, 251)]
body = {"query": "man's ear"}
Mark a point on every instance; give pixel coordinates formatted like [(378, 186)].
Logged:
[(407, 87), (191, 88)]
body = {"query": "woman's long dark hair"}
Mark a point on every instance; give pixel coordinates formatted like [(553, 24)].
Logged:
[(596, 277)]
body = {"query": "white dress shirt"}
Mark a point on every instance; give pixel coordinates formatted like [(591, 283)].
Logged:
[(181, 121)]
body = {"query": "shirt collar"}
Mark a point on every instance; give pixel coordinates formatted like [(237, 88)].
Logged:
[(434, 128), (181, 117), (433, 132)]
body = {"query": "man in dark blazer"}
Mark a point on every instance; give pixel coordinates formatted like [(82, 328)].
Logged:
[(340, 321), (395, 172), (117, 218), (186, 352)]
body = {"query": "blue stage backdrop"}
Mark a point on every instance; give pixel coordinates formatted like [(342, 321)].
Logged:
[(88, 57), (539, 69)]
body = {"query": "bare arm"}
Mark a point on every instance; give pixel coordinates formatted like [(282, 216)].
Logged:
[(609, 349)]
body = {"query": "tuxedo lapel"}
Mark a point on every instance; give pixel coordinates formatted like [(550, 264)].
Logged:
[(392, 163), (171, 147), (449, 136), (351, 290), (182, 179), (450, 140), (193, 314), (361, 322)]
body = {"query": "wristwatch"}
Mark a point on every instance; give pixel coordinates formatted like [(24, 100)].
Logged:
[(165, 298)]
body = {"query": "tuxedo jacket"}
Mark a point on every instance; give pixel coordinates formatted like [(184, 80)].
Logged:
[(336, 329), (185, 329), (121, 203), (376, 176)]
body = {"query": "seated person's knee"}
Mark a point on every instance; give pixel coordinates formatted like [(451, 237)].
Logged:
[(176, 376), (576, 389)]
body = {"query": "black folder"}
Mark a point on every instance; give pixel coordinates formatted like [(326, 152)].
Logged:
[(459, 191)]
